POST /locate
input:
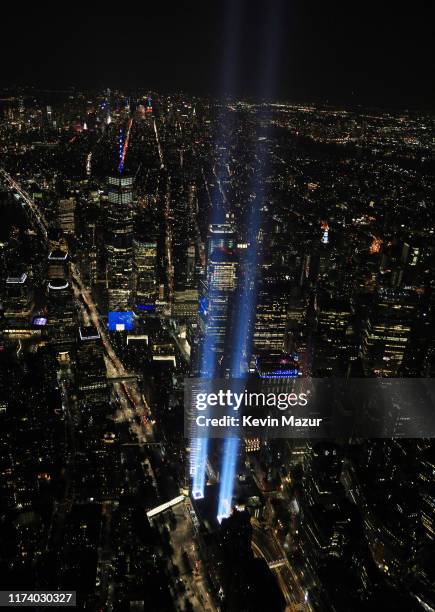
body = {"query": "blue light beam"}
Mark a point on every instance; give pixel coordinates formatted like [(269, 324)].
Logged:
[(208, 365), (247, 296)]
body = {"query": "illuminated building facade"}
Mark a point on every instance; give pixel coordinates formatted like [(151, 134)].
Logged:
[(66, 215), (270, 331), (387, 331), (91, 370), (57, 264), (217, 297), (335, 347), (145, 262), (17, 301), (221, 235), (61, 313), (119, 246)]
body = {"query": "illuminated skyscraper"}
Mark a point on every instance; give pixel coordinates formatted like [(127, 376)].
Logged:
[(216, 303), (387, 331), (271, 321), (221, 235), (61, 313), (335, 346), (57, 264), (66, 215), (119, 245), (93, 391), (145, 268), (17, 301)]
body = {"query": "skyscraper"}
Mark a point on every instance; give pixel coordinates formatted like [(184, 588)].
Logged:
[(335, 347), (145, 269), (387, 331), (93, 391), (61, 313), (17, 301), (216, 302), (66, 215), (57, 264), (119, 245), (221, 235), (270, 331)]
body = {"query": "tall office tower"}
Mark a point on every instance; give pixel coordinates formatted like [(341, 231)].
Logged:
[(61, 314), (334, 347), (221, 235), (185, 287), (185, 304), (57, 264), (66, 215), (216, 304), (270, 332), (181, 228), (323, 472), (145, 271), (388, 330), (191, 264), (119, 244), (217, 291), (91, 376), (17, 302)]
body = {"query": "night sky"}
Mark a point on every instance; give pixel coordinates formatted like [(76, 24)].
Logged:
[(342, 52)]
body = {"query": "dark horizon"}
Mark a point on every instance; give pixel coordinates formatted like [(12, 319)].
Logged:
[(364, 56)]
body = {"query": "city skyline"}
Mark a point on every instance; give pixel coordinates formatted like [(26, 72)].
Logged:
[(217, 310), (370, 55)]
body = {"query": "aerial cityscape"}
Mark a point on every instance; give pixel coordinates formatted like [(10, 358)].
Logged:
[(154, 235)]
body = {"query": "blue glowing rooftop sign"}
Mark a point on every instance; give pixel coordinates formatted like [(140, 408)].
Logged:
[(280, 374), (146, 307), (121, 321)]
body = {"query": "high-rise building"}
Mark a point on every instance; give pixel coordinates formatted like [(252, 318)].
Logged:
[(119, 244), (221, 235), (57, 264), (17, 301), (271, 321), (387, 331), (335, 347), (145, 271), (216, 303), (66, 215), (91, 377), (61, 313), (185, 304)]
